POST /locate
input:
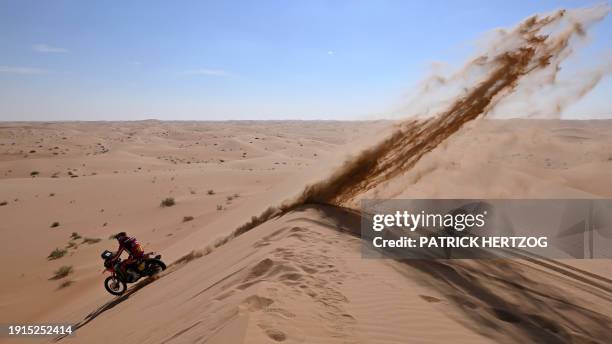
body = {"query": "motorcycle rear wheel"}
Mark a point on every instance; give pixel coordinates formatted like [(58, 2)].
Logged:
[(115, 286), (155, 266)]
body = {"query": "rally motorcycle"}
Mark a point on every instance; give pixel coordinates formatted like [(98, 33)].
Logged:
[(116, 283)]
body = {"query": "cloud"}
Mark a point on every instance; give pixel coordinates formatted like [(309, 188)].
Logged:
[(205, 71), (331, 53), (44, 48), (21, 70)]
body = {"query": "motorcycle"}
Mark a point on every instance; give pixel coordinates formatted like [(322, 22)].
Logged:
[(116, 283)]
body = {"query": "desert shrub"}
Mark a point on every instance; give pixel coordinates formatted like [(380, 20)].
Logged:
[(66, 284), (91, 241), (55, 224), (57, 254), (72, 244), (62, 272), (187, 218), (167, 202), (219, 207), (211, 192), (34, 173), (3, 203), (229, 198), (75, 236)]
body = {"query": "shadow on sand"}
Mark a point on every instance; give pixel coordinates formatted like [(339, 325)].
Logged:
[(110, 304), (508, 300)]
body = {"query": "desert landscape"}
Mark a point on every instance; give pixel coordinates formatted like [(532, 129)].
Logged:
[(111, 177), (298, 277), (259, 222)]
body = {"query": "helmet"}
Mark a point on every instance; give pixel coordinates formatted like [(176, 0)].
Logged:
[(120, 235)]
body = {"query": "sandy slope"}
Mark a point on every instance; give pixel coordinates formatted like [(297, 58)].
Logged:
[(295, 279), (513, 159), (107, 177), (300, 277)]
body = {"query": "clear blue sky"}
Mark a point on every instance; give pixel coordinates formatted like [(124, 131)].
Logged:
[(112, 60)]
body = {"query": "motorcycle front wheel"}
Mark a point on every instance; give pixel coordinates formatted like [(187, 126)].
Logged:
[(114, 285)]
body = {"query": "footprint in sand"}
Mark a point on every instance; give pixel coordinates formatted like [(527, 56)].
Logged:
[(308, 269), (291, 277), (276, 335), (255, 302), (260, 269)]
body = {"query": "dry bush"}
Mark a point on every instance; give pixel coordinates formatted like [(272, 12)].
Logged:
[(91, 241), (62, 272), (66, 284), (57, 254), (168, 202)]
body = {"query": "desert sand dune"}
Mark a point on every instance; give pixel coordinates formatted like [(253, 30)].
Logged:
[(295, 273), (301, 278), (58, 201)]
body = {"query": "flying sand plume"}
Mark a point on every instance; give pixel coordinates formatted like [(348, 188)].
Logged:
[(536, 47), (523, 51)]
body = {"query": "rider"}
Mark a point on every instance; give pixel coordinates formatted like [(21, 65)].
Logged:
[(131, 245)]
